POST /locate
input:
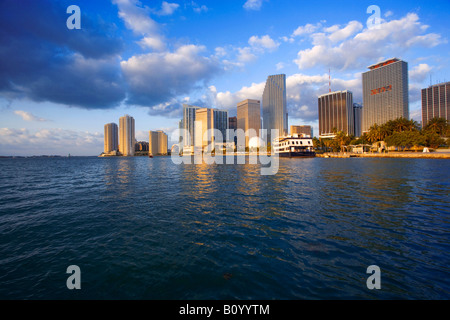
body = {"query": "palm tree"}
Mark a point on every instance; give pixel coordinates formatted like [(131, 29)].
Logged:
[(439, 126), (373, 134)]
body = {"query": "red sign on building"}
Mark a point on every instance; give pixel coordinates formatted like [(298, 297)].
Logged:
[(381, 90)]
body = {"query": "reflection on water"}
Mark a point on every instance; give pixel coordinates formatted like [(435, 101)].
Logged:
[(144, 228)]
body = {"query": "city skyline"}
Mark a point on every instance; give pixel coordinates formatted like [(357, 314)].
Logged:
[(58, 101)]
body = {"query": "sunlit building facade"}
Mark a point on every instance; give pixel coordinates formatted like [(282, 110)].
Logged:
[(249, 118), (204, 123), (111, 138), (187, 125), (127, 138), (436, 102), (158, 143), (274, 108), (336, 113), (385, 93)]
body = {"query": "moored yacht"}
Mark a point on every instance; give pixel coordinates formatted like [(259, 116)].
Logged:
[(294, 146)]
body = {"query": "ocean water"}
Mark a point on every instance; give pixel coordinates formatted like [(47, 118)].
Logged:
[(141, 228)]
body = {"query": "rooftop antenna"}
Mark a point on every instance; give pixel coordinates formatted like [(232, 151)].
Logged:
[(329, 79)]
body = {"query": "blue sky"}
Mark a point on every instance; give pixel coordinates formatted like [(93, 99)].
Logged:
[(58, 87)]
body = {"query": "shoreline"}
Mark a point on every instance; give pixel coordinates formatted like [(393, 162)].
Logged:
[(402, 155)]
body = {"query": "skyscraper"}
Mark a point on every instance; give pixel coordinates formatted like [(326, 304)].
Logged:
[(357, 115), (188, 124), (221, 123), (232, 123), (204, 123), (436, 102), (158, 143), (274, 109), (336, 112), (249, 118), (111, 138), (126, 136), (385, 93)]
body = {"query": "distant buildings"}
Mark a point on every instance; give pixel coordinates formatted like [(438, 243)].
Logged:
[(232, 123), (436, 102), (249, 119), (336, 113), (188, 125), (306, 130), (141, 146), (127, 136), (158, 143), (385, 93), (274, 109), (357, 116), (111, 138), (221, 123), (204, 123)]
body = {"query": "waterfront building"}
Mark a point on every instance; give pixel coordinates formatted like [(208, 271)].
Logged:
[(111, 138), (188, 125), (158, 143), (357, 115), (336, 113), (204, 123), (302, 130), (127, 136), (249, 119), (232, 123), (385, 93), (221, 123), (141, 146), (436, 102), (274, 109)]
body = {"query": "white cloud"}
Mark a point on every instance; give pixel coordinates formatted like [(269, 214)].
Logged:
[(265, 42), (155, 78), (246, 55), (346, 32), (306, 29), (280, 65), (253, 4), (420, 72), (136, 17), (27, 116), (355, 47), (167, 8), (388, 14), (153, 43), (199, 8)]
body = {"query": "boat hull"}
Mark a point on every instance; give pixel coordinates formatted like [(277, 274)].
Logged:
[(297, 154)]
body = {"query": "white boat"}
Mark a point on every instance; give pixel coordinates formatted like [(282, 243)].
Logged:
[(294, 146)]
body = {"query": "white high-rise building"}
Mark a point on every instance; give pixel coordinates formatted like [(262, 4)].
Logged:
[(127, 138), (274, 108), (187, 125)]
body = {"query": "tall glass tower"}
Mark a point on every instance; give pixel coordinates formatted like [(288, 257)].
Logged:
[(188, 124), (274, 109)]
